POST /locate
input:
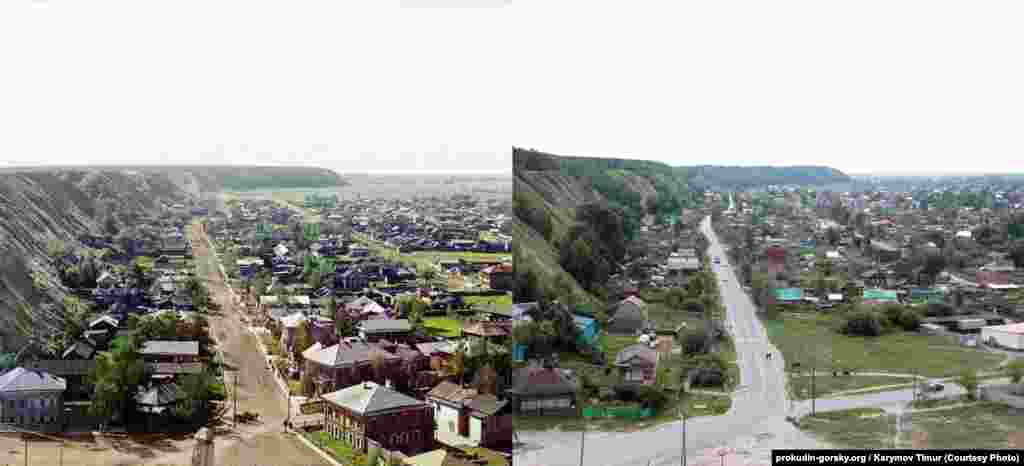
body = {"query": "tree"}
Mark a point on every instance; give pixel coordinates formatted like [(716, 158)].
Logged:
[(110, 225), (933, 264), (457, 365), (863, 323), (377, 362), (1015, 370), (194, 392), (1017, 254), (115, 377), (303, 340), (968, 379), (314, 278), (833, 236), (139, 274), (488, 380)]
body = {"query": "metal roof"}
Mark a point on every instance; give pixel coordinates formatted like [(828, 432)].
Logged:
[(369, 398), (159, 347), (22, 379)]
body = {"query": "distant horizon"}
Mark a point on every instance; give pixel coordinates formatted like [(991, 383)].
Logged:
[(456, 173)]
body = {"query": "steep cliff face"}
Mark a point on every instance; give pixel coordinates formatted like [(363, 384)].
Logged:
[(42, 205)]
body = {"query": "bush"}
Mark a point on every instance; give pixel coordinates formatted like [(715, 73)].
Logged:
[(863, 323), (708, 377), (939, 310), (217, 391), (627, 392), (652, 397), (909, 320)]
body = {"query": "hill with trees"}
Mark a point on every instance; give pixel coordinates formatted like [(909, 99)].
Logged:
[(575, 216)]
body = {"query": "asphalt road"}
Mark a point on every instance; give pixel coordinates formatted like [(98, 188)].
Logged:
[(753, 426)]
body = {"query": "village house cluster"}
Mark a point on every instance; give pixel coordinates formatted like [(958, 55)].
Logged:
[(349, 305), (952, 250), (143, 273)]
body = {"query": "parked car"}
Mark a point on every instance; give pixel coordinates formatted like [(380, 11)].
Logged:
[(934, 387)]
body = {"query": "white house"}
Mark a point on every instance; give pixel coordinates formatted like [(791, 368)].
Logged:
[(1008, 336)]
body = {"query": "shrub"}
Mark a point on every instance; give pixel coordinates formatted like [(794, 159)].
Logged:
[(652, 397), (1015, 370), (708, 377), (627, 392), (909, 320), (863, 323), (939, 310)]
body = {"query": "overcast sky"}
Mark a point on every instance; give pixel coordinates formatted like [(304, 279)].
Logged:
[(892, 85), (329, 83), (862, 86)]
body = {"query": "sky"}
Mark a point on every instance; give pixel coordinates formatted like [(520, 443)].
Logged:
[(435, 85), (357, 86), (865, 86)]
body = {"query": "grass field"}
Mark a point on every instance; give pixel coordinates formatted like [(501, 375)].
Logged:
[(504, 300), (983, 425), (667, 318), (340, 450), (443, 326), (798, 335), (825, 385), (696, 405), (420, 259), (855, 428)]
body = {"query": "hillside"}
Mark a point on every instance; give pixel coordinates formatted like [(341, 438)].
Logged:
[(550, 191), (43, 206), (214, 178), (707, 176)]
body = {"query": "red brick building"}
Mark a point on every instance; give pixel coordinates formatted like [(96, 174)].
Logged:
[(368, 411)]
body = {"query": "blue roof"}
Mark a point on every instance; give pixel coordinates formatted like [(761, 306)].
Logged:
[(582, 321)]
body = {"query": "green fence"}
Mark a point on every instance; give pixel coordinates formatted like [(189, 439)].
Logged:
[(628, 412)]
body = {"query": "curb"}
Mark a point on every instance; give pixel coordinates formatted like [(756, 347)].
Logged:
[(317, 449)]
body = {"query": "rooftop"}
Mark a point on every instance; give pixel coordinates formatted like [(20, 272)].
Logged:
[(22, 379), (368, 398), (166, 347)]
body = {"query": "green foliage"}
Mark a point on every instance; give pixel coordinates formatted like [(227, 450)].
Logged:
[(739, 177), (863, 323), (676, 298), (579, 258), (1015, 370), (529, 208), (968, 378), (195, 391), (115, 377), (303, 340)]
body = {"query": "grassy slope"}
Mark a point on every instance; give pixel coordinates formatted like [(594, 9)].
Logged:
[(535, 254)]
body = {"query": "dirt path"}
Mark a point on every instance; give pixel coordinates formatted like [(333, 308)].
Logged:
[(263, 443)]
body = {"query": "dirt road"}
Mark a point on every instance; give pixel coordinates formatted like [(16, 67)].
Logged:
[(261, 444)]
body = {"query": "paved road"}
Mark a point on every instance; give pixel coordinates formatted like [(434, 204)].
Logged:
[(753, 426)]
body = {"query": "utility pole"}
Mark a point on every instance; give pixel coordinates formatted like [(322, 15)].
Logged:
[(583, 436), (235, 399), (814, 371), (682, 411)]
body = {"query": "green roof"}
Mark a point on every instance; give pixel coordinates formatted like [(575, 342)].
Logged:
[(880, 295), (789, 294)]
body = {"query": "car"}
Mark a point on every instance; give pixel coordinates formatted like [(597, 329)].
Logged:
[(934, 387)]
